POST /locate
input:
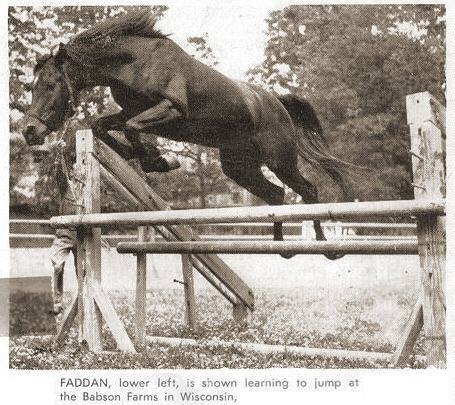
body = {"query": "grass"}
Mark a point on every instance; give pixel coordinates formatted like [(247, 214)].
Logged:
[(343, 318)]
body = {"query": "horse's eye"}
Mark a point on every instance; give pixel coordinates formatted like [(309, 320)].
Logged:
[(50, 86)]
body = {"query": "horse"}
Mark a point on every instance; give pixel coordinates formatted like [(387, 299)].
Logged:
[(164, 91)]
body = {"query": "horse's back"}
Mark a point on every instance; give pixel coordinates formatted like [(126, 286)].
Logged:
[(218, 110)]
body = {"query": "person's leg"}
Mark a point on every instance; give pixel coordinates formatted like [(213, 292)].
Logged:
[(61, 247)]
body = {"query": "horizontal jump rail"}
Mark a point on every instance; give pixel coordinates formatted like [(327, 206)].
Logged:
[(261, 348), (267, 349), (278, 213), (272, 247)]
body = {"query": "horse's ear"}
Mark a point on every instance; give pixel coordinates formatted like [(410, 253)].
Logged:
[(59, 54)]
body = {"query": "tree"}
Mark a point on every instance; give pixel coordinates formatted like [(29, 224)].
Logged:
[(356, 64)]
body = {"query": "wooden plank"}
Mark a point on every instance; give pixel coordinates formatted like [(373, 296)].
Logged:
[(66, 322), (45, 241), (432, 262), (141, 283), (439, 114), (92, 320), (265, 213), (190, 301), (423, 107), (112, 320), (428, 164), (407, 341), (115, 185), (401, 247), (137, 186), (216, 283), (80, 272)]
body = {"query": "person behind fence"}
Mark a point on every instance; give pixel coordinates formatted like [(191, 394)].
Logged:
[(65, 241)]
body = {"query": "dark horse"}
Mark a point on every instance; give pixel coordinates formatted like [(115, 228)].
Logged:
[(164, 91)]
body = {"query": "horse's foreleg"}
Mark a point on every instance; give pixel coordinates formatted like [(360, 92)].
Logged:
[(150, 157), (114, 122), (162, 113)]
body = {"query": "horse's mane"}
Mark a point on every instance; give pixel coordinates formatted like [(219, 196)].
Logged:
[(98, 43)]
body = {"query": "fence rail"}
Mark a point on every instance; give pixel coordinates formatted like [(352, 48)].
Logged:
[(277, 213), (272, 247)]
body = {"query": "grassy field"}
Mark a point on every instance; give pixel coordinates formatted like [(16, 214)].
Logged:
[(366, 319)]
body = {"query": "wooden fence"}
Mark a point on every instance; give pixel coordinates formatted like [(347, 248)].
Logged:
[(95, 160)]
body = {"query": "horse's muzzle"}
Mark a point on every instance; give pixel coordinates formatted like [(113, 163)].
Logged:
[(34, 131)]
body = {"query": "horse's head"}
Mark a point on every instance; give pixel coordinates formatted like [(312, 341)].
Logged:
[(51, 98)]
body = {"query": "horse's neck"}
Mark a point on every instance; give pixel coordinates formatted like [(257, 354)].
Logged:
[(83, 78)]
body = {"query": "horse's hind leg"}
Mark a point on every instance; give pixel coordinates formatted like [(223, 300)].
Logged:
[(244, 167), (288, 172)]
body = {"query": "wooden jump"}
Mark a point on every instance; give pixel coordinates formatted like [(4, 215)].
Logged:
[(279, 213), (425, 118), (273, 247)]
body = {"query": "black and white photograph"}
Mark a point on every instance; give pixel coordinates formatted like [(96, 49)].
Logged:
[(227, 187)]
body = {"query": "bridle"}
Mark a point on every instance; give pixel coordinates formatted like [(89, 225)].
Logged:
[(47, 117)]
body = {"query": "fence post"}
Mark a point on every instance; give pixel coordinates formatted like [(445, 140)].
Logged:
[(141, 286), (190, 302), (88, 243), (428, 163)]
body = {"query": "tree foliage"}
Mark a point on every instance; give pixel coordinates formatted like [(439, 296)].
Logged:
[(356, 64)]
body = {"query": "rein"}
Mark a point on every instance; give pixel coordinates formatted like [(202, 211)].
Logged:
[(60, 159), (72, 103)]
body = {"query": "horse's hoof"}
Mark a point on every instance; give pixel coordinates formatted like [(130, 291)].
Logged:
[(333, 255), (287, 255)]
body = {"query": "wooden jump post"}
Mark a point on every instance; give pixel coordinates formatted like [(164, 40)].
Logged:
[(426, 120), (427, 150)]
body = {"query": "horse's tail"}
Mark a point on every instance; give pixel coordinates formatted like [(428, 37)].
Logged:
[(311, 143)]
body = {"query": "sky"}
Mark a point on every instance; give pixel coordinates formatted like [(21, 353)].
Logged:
[(236, 34)]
